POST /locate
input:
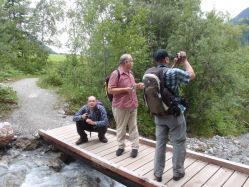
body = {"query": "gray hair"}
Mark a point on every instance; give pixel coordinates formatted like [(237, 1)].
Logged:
[(124, 57)]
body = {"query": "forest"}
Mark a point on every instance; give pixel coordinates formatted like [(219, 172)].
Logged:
[(100, 31)]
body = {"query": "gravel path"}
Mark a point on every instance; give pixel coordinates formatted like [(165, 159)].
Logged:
[(36, 109)]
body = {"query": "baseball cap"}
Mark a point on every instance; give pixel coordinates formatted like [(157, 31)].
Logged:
[(160, 54)]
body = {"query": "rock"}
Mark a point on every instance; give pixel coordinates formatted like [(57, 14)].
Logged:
[(6, 133), (26, 144), (6, 129), (55, 164)]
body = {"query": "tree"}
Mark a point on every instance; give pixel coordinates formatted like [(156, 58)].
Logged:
[(43, 22)]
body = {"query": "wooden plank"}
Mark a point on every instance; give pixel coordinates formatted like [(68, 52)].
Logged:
[(140, 162), (168, 166), (125, 159), (220, 162), (142, 166), (105, 147), (62, 129), (199, 156), (109, 151), (168, 174), (192, 170), (246, 184), (99, 147), (200, 178), (72, 139), (219, 178), (237, 179), (150, 166), (98, 162), (126, 155), (112, 155)]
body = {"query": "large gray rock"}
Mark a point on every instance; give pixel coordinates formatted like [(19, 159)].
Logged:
[(26, 143)]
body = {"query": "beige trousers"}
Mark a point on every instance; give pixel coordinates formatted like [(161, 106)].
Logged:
[(124, 118)]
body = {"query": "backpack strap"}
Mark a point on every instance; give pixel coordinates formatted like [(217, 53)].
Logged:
[(118, 74), (165, 69)]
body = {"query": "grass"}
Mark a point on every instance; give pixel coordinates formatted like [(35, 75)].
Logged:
[(56, 58)]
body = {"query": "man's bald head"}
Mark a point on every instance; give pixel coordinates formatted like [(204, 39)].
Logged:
[(91, 102)]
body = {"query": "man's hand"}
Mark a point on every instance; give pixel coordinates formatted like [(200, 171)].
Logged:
[(140, 85), (90, 122), (180, 58), (84, 116)]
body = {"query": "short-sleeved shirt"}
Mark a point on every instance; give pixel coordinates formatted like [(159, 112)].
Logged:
[(123, 100)]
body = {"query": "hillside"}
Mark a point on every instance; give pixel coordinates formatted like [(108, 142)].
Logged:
[(243, 18), (242, 15)]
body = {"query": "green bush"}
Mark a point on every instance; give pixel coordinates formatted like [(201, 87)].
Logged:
[(8, 99)]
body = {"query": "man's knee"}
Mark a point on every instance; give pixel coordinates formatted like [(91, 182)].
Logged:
[(80, 123), (102, 130)]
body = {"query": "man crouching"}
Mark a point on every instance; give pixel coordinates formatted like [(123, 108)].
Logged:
[(91, 117)]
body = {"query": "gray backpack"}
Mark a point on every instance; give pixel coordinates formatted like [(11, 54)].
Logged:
[(157, 97)]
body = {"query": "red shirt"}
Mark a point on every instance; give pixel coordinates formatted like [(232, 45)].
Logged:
[(123, 100)]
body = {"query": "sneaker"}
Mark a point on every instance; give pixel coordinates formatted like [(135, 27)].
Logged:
[(103, 139), (181, 175), (158, 179), (81, 141), (119, 152), (134, 153)]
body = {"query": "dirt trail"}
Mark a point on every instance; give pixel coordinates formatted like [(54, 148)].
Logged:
[(36, 109)]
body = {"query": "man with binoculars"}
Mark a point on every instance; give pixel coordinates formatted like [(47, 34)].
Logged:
[(171, 126)]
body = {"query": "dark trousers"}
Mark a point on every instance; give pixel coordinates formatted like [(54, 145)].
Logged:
[(82, 126)]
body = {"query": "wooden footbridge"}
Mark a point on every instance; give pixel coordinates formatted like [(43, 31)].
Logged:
[(201, 170)]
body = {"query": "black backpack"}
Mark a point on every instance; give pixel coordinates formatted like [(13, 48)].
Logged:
[(158, 98), (108, 95)]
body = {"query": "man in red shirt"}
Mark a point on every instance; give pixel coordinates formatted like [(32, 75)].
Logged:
[(124, 105)]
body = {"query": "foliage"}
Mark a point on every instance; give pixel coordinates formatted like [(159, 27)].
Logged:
[(43, 22), (17, 47), (101, 31), (8, 99), (214, 97)]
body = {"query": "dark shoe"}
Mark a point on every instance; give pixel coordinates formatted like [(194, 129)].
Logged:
[(81, 141), (103, 139), (119, 152), (181, 175), (134, 153), (158, 179)]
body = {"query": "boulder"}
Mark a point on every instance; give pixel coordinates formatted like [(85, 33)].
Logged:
[(6, 133)]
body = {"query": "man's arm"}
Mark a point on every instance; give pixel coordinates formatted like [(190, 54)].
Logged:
[(184, 60), (113, 85), (189, 69), (103, 120), (78, 116)]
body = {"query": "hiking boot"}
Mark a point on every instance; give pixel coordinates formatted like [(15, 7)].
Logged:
[(134, 153), (103, 139), (119, 152), (81, 141), (181, 175), (158, 179)]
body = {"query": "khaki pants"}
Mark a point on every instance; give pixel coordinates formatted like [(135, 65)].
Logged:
[(124, 118)]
